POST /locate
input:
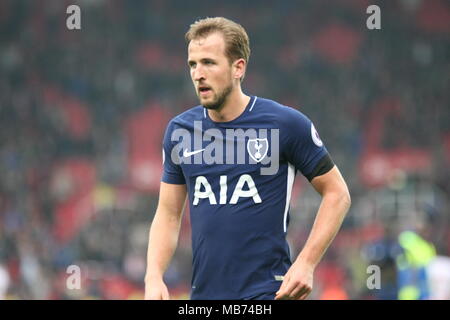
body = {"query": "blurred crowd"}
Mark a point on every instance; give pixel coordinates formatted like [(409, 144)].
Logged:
[(83, 112)]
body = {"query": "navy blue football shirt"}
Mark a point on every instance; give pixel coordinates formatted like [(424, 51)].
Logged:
[(239, 176)]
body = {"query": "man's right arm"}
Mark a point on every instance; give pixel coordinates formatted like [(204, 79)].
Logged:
[(163, 238)]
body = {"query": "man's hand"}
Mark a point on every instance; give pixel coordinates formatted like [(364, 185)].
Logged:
[(155, 289), (297, 283)]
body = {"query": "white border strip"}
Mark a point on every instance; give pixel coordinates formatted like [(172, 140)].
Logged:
[(204, 112), (290, 183), (253, 103)]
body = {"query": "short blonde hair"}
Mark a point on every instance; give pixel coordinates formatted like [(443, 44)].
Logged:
[(237, 44)]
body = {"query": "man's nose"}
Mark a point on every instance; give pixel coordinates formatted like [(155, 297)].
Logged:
[(198, 74)]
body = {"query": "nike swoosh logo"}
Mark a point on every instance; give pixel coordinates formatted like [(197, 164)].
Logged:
[(188, 154)]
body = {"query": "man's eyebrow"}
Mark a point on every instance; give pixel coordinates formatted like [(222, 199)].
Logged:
[(190, 62)]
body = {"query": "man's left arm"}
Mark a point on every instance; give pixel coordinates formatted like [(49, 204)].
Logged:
[(298, 281)]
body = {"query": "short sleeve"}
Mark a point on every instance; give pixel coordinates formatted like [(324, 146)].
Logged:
[(172, 172), (302, 144)]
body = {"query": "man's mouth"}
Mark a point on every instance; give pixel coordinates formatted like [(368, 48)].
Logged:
[(204, 90)]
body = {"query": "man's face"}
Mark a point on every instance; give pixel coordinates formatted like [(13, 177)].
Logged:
[(210, 69)]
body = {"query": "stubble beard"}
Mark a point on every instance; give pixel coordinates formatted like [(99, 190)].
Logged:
[(220, 99)]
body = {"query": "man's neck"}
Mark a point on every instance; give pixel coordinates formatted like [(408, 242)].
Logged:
[(233, 107)]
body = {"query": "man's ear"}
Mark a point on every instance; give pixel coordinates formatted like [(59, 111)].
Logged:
[(239, 67)]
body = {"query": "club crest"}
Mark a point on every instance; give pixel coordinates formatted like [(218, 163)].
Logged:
[(257, 148)]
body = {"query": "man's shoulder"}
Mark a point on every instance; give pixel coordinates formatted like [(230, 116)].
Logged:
[(264, 103), (283, 114), (188, 116)]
